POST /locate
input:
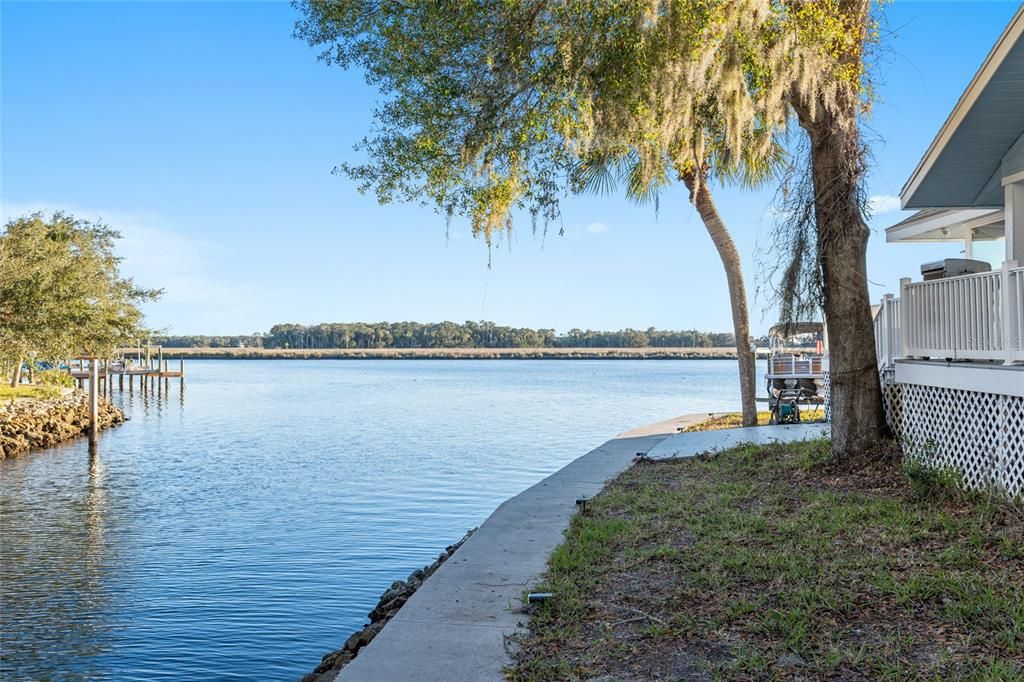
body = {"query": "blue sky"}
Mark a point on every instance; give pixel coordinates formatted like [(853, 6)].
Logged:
[(207, 135)]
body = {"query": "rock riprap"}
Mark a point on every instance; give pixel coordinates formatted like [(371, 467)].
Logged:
[(31, 424), (390, 602)]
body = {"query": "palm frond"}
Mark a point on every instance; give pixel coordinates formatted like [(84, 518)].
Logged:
[(595, 174), (643, 184), (757, 162)]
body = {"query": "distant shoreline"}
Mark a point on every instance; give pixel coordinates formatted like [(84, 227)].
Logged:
[(649, 353)]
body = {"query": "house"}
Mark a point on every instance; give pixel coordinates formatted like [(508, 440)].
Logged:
[(951, 348)]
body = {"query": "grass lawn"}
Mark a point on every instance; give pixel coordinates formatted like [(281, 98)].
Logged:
[(28, 391), (770, 562), (732, 420)]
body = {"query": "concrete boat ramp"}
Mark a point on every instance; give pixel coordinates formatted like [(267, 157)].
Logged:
[(455, 628)]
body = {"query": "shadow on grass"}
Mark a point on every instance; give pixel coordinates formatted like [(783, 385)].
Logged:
[(772, 561)]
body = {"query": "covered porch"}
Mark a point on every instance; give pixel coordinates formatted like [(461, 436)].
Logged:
[(950, 341), (967, 189), (969, 309)]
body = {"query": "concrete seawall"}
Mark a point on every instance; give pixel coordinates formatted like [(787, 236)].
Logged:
[(460, 624)]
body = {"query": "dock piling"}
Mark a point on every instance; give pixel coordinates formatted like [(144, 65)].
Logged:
[(153, 370), (94, 401)]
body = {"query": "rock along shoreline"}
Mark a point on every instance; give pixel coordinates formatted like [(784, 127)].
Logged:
[(390, 602), (33, 424)]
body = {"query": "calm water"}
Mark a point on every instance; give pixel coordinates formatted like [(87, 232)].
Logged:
[(245, 528)]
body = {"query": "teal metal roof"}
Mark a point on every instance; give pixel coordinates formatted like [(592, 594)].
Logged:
[(963, 166)]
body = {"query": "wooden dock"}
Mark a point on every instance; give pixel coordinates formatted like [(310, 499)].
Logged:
[(148, 364)]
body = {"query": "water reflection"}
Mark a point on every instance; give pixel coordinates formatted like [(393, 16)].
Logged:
[(247, 531), (95, 512), (58, 566)]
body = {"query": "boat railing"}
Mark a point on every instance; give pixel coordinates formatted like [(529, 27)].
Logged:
[(795, 365)]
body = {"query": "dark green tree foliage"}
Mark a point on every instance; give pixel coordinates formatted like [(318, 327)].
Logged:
[(61, 292), (466, 126), (448, 335)]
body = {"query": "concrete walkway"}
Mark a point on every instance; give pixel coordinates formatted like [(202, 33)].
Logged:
[(689, 444), (454, 628)]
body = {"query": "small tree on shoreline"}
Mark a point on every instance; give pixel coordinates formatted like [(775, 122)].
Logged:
[(61, 292)]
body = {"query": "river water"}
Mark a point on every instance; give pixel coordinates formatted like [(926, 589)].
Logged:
[(244, 527)]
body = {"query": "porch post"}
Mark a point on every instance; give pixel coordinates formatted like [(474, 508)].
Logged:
[(888, 329), (1015, 221), (905, 318), (1010, 309)]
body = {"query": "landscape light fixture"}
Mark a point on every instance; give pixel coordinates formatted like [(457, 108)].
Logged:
[(538, 597)]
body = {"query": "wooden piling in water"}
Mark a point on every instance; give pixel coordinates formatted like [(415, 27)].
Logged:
[(154, 373), (94, 402)]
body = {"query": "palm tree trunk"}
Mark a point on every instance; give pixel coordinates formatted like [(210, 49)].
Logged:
[(700, 195)]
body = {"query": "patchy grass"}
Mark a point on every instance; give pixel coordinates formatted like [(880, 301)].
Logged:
[(28, 391), (771, 562), (732, 420)]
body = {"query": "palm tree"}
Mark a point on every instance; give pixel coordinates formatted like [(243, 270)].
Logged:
[(487, 104), (602, 169)]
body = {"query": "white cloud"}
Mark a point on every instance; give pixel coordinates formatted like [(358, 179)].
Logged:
[(596, 228), (157, 255), (883, 203)]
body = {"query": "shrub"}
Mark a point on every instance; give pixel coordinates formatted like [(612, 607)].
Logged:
[(55, 377), (933, 483)]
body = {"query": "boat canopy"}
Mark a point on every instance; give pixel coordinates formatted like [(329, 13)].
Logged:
[(794, 328)]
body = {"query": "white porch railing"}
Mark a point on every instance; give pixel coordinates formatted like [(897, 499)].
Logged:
[(1015, 314), (972, 317), (887, 332)]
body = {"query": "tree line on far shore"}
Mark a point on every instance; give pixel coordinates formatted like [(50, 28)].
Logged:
[(449, 335)]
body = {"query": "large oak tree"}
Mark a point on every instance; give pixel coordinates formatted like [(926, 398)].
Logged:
[(496, 105), (491, 107)]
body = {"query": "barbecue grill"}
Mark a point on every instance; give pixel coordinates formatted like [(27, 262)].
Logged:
[(953, 267)]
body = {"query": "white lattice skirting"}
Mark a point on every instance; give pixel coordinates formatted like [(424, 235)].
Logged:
[(827, 394), (981, 435)]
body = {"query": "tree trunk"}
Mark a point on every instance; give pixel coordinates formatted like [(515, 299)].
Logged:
[(16, 377), (700, 195), (837, 165)]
